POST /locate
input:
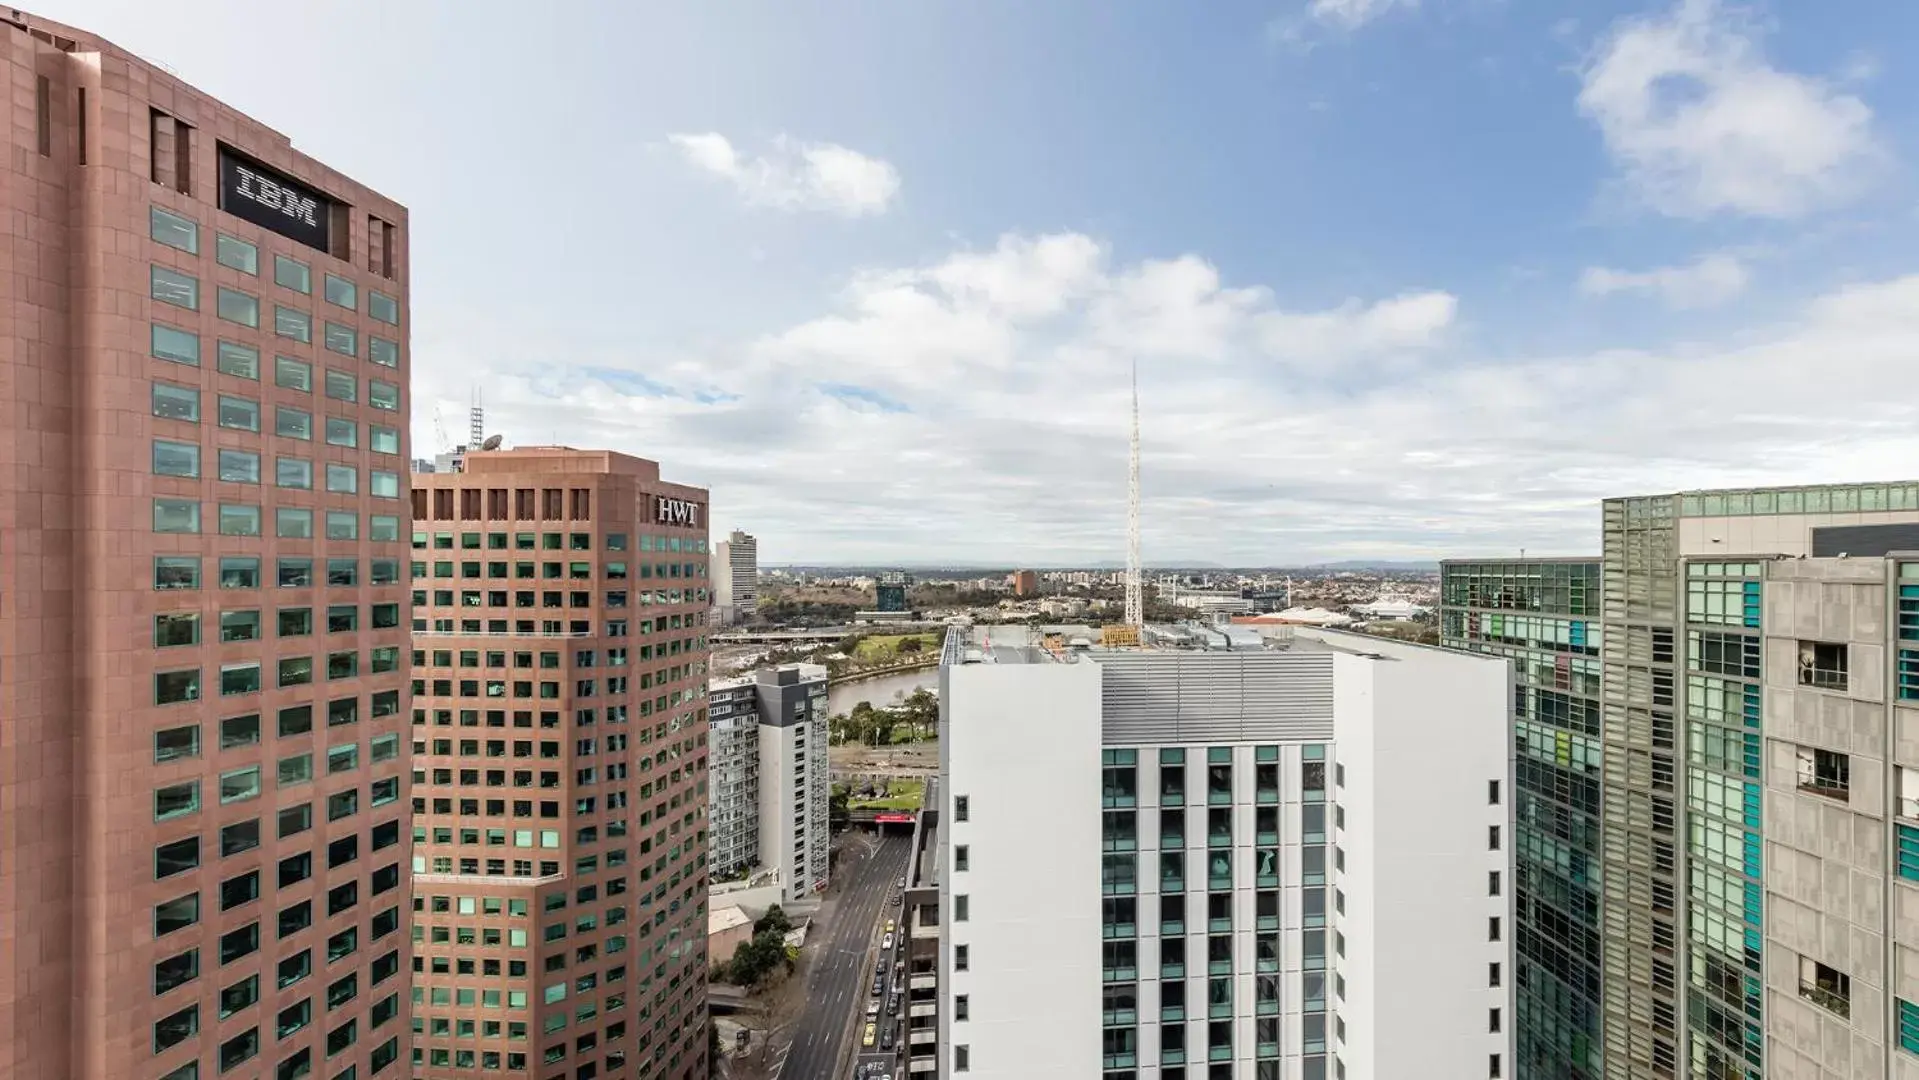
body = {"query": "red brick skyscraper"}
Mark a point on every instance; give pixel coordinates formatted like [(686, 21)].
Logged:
[(560, 780), (203, 700)]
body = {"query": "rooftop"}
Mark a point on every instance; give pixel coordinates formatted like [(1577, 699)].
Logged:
[(1067, 644)]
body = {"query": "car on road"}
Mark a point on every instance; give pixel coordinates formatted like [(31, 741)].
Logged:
[(889, 926), (902, 883), (887, 1042), (872, 1008), (886, 943), (897, 898), (879, 982), (893, 1005), (867, 1039)]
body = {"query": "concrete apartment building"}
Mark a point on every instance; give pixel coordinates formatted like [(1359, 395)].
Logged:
[(203, 414), (1300, 850), (1543, 615), (771, 777), (736, 572), (560, 781)]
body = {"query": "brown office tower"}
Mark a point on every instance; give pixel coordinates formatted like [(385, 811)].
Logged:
[(559, 752), (203, 415)]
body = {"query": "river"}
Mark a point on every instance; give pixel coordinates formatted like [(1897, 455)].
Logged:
[(880, 691)]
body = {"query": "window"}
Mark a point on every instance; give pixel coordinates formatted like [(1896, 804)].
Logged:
[(176, 516), (236, 254), (1492, 928), (239, 785), (341, 386), (176, 571), (1823, 772), (239, 361), (176, 458), (173, 287), (178, 346), (383, 308), (342, 479), (292, 524), (342, 525), (239, 466), (292, 374), (177, 857), (176, 744), (382, 395), (295, 573), (171, 1031), (385, 485), (1492, 793), (341, 291), (239, 414), (962, 1058), (1907, 1022), (236, 306), (293, 323), (176, 801), (239, 520), (341, 339), (1827, 987), (173, 230), (961, 804), (292, 274), (962, 906), (383, 352), (962, 957), (176, 914), (240, 731), (289, 472), (176, 628), (385, 440), (1822, 664), (342, 431), (241, 678), (292, 423), (961, 857), (172, 402)]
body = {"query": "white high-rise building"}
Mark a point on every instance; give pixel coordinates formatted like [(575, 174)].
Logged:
[(736, 570), (1207, 856), (769, 784)]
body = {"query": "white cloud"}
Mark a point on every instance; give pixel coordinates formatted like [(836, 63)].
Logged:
[(1699, 122), (1712, 280), (1353, 14), (1275, 432), (795, 175)]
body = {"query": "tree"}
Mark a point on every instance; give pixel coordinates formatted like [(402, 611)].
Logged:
[(922, 710), (838, 813), (909, 645), (773, 922)]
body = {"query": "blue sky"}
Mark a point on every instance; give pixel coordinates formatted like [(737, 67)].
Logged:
[(1403, 279)]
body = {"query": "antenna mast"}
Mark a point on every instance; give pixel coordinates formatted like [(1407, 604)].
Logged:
[(1135, 600), (476, 419)]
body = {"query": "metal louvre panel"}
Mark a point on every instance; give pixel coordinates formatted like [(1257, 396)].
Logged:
[(1154, 698)]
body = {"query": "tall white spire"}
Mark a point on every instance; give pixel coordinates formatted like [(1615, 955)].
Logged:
[(1135, 597)]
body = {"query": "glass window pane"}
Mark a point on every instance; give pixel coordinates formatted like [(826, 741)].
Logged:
[(293, 524), (174, 231), (385, 440), (292, 423), (239, 520), (342, 525), (342, 339), (170, 343), (342, 432), (383, 395), (386, 485), (342, 479), (173, 287), (292, 274), (383, 352), (239, 307), (176, 516), (233, 252), (239, 466), (292, 374), (293, 473), (239, 414), (341, 386), (292, 323), (242, 361), (172, 402), (341, 291), (176, 458), (383, 307)]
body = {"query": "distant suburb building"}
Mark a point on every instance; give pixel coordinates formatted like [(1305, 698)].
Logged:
[(771, 777), (1207, 856), (736, 572)]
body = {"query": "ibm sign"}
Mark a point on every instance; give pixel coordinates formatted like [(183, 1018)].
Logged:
[(253, 192), (676, 512)]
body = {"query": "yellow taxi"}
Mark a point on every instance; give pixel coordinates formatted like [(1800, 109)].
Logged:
[(889, 926), (872, 1034)]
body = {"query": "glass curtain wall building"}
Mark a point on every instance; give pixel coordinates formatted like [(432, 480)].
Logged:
[(1543, 615)]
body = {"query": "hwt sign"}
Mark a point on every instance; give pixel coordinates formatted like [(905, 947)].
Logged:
[(676, 512)]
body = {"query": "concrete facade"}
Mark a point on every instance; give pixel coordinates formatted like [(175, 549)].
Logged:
[(560, 768), (733, 735), (736, 573), (203, 438), (1301, 854), (795, 778)]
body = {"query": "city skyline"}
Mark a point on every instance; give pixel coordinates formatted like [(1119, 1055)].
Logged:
[(1642, 226)]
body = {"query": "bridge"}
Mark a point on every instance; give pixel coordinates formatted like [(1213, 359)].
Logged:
[(771, 636)]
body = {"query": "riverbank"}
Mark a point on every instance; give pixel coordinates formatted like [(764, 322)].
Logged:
[(878, 673)]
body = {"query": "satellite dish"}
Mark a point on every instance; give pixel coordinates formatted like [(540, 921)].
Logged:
[(492, 443)]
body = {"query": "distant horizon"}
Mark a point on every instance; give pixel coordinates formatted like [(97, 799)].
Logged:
[(1108, 566)]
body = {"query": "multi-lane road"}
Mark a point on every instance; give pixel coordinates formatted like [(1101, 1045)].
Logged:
[(841, 978)]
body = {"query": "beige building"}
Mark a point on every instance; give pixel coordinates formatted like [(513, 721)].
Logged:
[(203, 700), (560, 768)]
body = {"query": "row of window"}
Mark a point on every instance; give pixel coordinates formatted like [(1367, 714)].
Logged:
[(243, 308), (182, 572), (243, 361), (244, 677), (183, 234), (183, 516), (182, 459), (554, 571), (172, 344), (175, 629), (498, 541)]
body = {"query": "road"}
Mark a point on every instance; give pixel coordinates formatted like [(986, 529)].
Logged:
[(841, 977)]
